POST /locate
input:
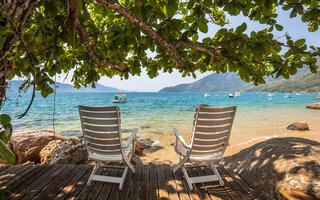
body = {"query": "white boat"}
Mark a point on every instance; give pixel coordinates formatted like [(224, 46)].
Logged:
[(119, 98), (237, 94), (298, 93), (206, 94), (269, 99), (270, 95), (287, 96), (230, 95)]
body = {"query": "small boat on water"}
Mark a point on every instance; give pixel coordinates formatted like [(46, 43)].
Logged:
[(237, 94), (298, 93), (270, 95), (287, 96), (206, 94), (230, 95), (119, 98)]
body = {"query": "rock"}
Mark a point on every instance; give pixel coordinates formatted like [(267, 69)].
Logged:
[(318, 97), (70, 151), (45, 153), (314, 106), (27, 145), (280, 164), (143, 127), (300, 126), (144, 146)]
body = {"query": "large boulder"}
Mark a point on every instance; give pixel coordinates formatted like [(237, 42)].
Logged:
[(70, 151), (300, 126), (45, 153), (145, 146), (280, 165), (27, 145), (314, 106), (318, 97)]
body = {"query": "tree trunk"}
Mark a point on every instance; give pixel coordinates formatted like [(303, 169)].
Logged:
[(16, 12)]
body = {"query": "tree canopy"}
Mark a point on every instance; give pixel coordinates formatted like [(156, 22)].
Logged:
[(42, 38)]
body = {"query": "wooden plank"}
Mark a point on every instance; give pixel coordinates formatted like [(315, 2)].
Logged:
[(202, 122), (207, 148), (145, 182), (101, 135), (215, 116), (100, 121), (105, 147), (207, 136), (201, 153), (104, 152), (134, 193), (3, 169), (209, 186), (99, 115), (124, 193), (163, 192), (212, 129), (198, 186), (114, 193), (52, 189), (107, 187), (86, 169), (97, 187), (235, 186), (44, 182), (172, 187), (154, 189), (20, 188), (232, 193), (87, 189), (182, 186), (109, 108), (11, 174), (95, 128), (220, 190), (209, 142), (243, 184), (22, 172)]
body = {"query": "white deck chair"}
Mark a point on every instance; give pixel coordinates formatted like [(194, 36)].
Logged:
[(210, 137), (101, 127)]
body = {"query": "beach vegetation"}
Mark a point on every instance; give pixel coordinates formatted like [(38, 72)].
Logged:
[(40, 39), (5, 135)]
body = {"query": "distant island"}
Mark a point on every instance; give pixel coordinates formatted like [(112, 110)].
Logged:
[(303, 81), (13, 86)]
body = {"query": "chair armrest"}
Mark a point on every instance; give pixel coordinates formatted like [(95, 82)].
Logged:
[(131, 137), (175, 131)]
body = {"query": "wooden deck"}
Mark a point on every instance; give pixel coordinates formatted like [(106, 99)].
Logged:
[(149, 182)]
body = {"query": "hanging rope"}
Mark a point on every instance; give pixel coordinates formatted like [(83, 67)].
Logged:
[(54, 105)]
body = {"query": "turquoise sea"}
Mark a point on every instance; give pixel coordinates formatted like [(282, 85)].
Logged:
[(157, 112)]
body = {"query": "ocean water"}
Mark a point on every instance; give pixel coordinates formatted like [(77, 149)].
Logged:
[(157, 113)]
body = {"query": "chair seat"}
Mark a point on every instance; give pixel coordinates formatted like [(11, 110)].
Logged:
[(208, 158), (110, 158)]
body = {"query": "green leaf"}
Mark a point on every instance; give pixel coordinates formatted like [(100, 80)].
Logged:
[(6, 154), (1, 42), (4, 30), (299, 43), (170, 10), (190, 4), (5, 119), (241, 28), (203, 27), (279, 27)]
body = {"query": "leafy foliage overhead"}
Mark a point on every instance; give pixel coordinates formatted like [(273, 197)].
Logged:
[(108, 38)]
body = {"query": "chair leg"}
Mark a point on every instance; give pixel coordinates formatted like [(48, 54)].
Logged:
[(216, 173), (92, 174), (187, 177), (123, 177), (181, 163), (129, 164)]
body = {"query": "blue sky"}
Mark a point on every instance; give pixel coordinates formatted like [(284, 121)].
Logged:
[(294, 27)]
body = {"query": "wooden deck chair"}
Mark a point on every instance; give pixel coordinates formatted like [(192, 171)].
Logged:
[(101, 127), (210, 137)]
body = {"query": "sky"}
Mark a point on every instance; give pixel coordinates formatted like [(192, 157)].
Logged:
[(294, 27)]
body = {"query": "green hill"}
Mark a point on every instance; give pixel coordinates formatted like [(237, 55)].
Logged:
[(303, 81)]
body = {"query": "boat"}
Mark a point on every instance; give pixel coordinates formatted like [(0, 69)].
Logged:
[(119, 98), (206, 94), (298, 93), (237, 94), (270, 95), (287, 96), (230, 95), (269, 99)]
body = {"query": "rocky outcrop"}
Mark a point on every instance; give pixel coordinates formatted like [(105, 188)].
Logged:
[(314, 106), (27, 145), (280, 164), (144, 146), (300, 126), (318, 97), (45, 153), (70, 151)]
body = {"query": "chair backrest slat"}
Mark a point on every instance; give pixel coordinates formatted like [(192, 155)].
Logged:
[(101, 129), (211, 132)]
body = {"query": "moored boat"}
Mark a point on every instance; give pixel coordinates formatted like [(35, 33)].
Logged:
[(206, 94), (270, 95), (119, 98), (230, 95), (287, 96), (237, 94)]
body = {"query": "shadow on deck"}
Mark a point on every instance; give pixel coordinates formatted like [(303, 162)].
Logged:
[(149, 182)]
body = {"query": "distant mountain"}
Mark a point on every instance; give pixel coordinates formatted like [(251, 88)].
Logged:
[(231, 82), (62, 87)]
